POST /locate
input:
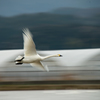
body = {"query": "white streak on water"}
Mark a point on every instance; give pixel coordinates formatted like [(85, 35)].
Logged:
[(51, 95)]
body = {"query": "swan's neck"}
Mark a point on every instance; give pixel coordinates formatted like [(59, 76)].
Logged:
[(49, 56)]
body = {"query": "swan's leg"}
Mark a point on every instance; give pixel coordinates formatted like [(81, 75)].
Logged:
[(18, 60), (18, 63)]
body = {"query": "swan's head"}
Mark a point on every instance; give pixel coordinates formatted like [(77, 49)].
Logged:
[(59, 55)]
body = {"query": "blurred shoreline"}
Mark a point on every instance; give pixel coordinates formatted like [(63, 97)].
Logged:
[(50, 85)]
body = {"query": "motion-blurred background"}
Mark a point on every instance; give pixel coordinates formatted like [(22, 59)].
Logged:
[(63, 26), (55, 24)]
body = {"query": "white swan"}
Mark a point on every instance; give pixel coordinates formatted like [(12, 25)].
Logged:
[(30, 54)]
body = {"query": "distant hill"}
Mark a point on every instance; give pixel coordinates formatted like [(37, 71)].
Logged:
[(51, 31), (82, 12), (27, 20)]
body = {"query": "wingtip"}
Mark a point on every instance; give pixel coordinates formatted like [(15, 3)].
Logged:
[(25, 30), (46, 68)]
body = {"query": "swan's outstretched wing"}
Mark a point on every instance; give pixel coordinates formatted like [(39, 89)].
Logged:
[(29, 45), (39, 65)]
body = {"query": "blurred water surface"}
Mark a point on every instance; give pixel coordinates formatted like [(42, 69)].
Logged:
[(51, 94)]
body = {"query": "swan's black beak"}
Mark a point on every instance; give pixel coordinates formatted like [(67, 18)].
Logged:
[(60, 55)]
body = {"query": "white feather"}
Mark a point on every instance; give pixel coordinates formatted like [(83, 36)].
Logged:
[(29, 45)]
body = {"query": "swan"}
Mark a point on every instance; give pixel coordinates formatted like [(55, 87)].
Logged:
[(30, 54)]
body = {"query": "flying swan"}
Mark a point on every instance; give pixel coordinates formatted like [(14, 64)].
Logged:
[(30, 54)]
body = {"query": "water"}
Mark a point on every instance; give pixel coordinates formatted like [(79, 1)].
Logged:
[(51, 95), (55, 75)]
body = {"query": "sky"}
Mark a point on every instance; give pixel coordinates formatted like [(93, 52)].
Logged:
[(16, 7)]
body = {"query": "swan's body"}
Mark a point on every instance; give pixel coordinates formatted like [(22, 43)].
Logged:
[(30, 54)]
